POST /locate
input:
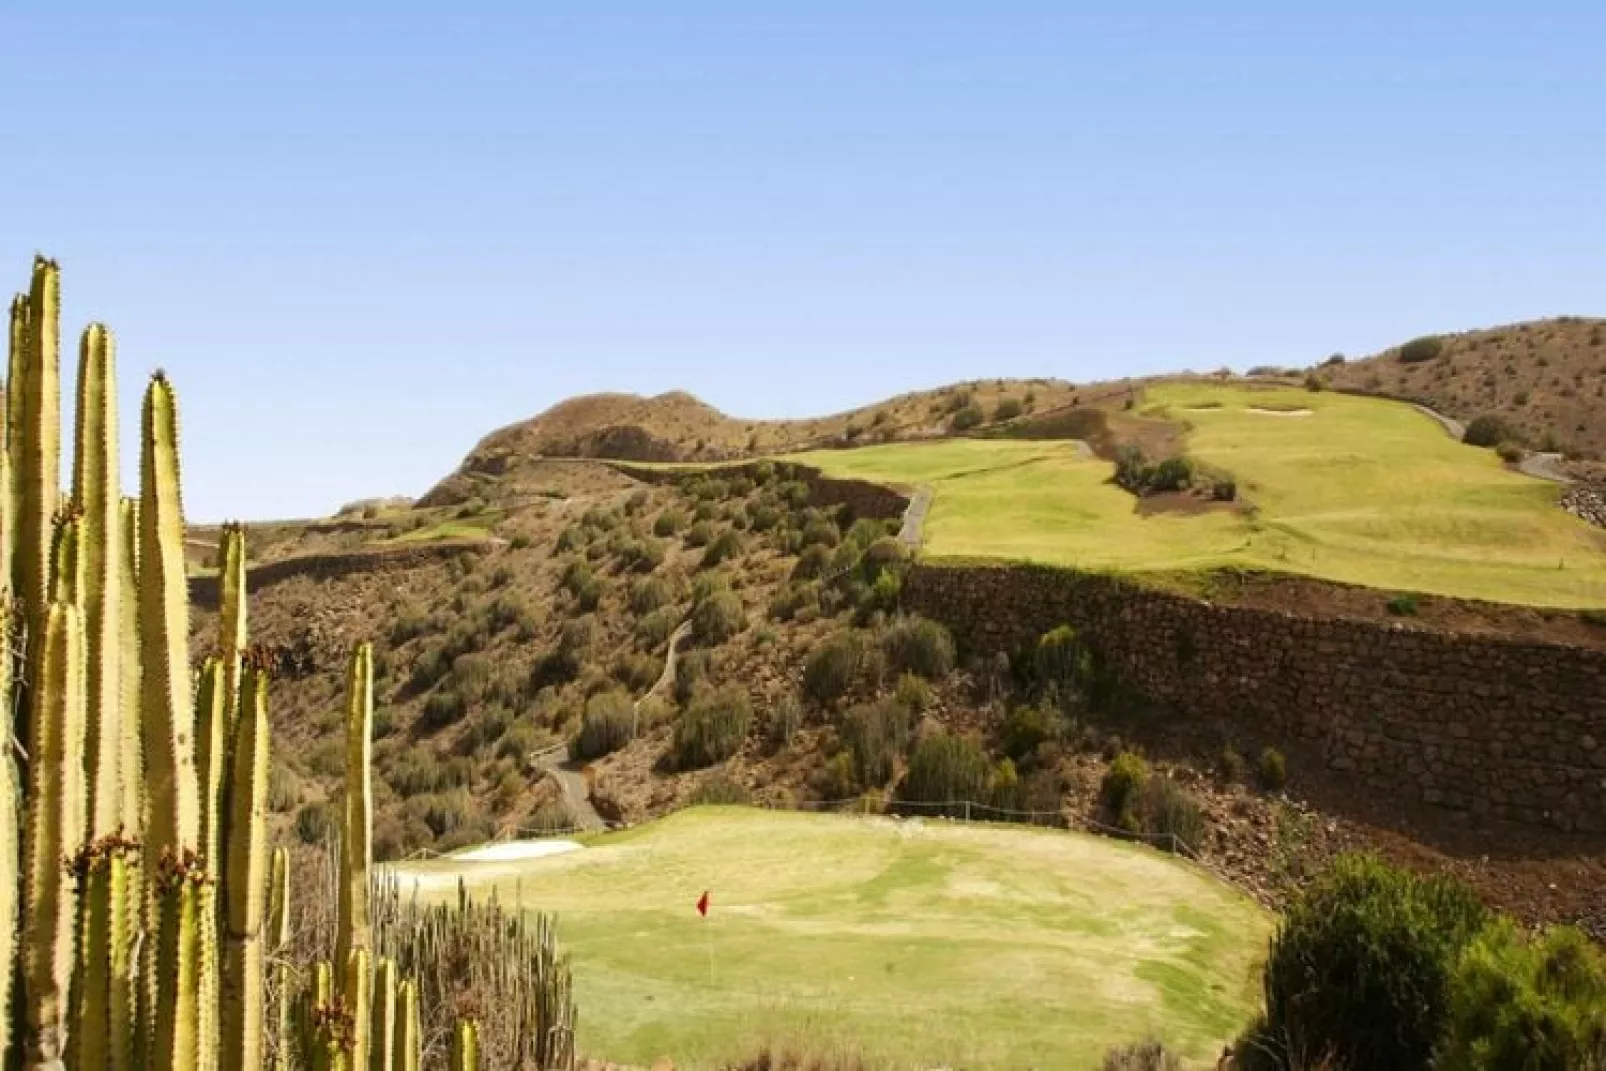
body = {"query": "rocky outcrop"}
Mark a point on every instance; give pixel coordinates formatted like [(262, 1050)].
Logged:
[(1586, 501), (1514, 729)]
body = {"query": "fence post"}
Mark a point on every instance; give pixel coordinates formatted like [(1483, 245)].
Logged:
[(967, 810)]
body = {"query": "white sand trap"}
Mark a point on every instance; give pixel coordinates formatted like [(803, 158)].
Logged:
[(507, 850), (1276, 412), (481, 860)]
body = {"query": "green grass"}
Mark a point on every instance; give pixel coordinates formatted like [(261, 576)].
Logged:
[(939, 944), (1361, 490), (478, 526)]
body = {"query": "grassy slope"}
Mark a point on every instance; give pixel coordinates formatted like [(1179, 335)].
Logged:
[(1361, 491), (948, 945)]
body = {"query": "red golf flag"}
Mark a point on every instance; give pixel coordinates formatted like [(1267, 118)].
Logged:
[(702, 904)]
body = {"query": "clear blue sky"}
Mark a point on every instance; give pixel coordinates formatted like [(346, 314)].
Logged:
[(360, 236)]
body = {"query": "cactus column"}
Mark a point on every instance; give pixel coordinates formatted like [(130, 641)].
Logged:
[(357, 841), (244, 880), (168, 715), (54, 814)]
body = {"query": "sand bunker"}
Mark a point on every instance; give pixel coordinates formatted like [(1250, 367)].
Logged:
[(1276, 412), (507, 850)]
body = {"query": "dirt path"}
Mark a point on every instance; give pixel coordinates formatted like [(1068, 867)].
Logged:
[(914, 517), (567, 769), (1538, 465)]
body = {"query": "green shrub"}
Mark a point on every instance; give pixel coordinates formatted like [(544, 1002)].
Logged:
[(691, 673), (914, 694), (969, 417), (835, 781), (875, 734), (713, 727), (1008, 409), (1062, 664), (719, 790), (654, 630), (792, 600), (668, 523), (636, 671), (1404, 605), (1486, 430), (948, 771), (821, 532), (1171, 817), (1231, 765), (700, 534), (441, 709), (832, 667), (812, 563), (1360, 968), (1509, 452), (1272, 770), (881, 596), (1525, 1001), (1026, 728), (763, 516), (1171, 474), (718, 618), (916, 645), (649, 594), (641, 555), (1120, 789), (1419, 350), (314, 823), (606, 726), (707, 585), (725, 546)]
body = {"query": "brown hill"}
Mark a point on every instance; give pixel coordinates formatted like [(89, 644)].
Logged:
[(1545, 379), (679, 427)]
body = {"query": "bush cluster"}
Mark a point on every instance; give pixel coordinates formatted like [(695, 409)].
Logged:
[(1419, 350), (1134, 472), (919, 646), (606, 726), (876, 735), (713, 727)]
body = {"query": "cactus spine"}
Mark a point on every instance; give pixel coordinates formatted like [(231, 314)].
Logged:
[(357, 841)]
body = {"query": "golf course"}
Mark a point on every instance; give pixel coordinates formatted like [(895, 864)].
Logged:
[(918, 943), (1345, 488)]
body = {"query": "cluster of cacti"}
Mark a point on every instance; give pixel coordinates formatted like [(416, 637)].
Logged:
[(141, 927), (469, 958), (142, 863)]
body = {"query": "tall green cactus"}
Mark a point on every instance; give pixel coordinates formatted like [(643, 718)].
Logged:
[(357, 993), (168, 713), (36, 432), (104, 996), (357, 854), (244, 879), (53, 834), (383, 1037), (409, 1027), (278, 936), (10, 832), (232, 614), (466, 1046)]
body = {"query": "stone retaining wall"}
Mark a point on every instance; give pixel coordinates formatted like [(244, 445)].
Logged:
[(1513, 729), (204, 589), (860, 498)]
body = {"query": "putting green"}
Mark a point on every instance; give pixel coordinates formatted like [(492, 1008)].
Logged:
[(1352, 489), (920, 944)]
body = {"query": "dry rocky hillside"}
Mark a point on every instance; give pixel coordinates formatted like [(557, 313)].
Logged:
[(679, 427), (1545, 380), (538, 609)]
